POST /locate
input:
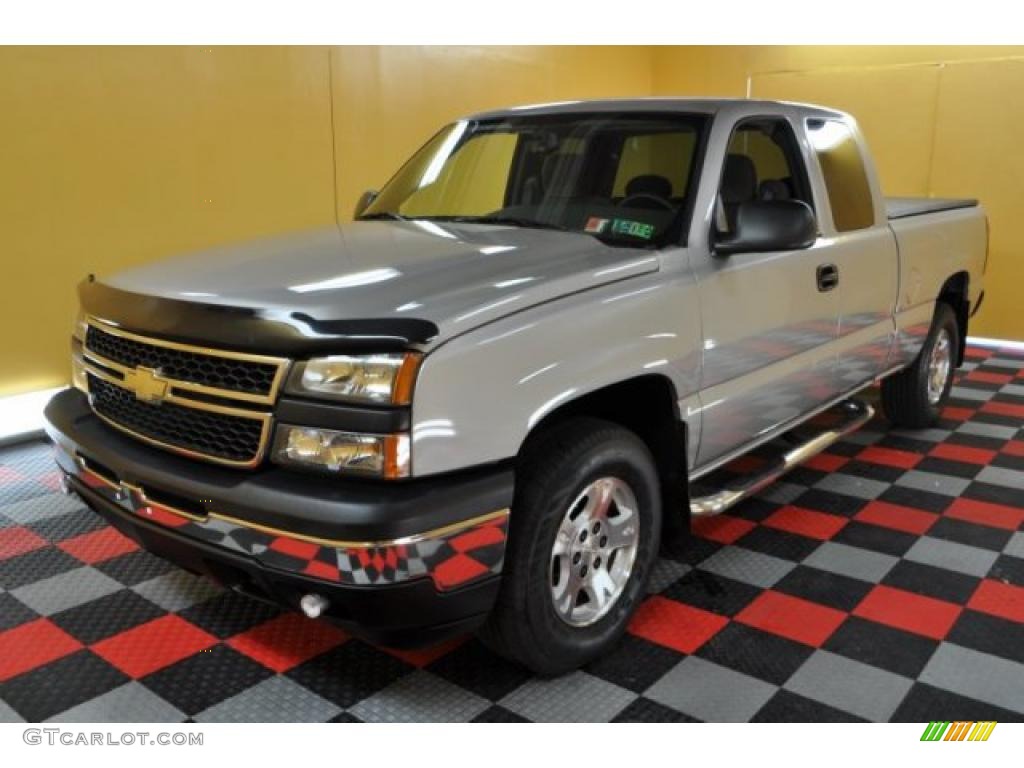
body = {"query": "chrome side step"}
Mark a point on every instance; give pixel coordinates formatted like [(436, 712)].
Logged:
[(855, 414)]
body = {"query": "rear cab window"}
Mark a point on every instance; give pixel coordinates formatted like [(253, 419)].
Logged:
[(846, 179)]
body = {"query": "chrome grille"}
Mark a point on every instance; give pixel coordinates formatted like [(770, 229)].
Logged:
[(230, 438), (214, 371), (196, 401)]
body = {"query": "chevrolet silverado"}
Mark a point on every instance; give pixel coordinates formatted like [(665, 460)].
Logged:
[(476, 406)]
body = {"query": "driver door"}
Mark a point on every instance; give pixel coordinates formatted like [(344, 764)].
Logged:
[(768, 325)]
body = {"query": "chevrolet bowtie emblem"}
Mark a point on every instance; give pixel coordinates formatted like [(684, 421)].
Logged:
[(147, 384)]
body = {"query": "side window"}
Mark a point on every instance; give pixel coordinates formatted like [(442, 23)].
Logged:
[(762, 163), (665, 155), (842, 166)]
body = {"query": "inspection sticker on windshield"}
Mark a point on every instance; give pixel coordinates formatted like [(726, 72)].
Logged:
[(595, 225), (633, 228)]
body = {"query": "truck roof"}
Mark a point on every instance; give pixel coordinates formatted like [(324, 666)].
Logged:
[(651, 104)]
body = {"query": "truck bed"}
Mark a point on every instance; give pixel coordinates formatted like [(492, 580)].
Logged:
[(904, 207)]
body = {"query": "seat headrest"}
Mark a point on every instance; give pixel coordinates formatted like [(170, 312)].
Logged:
[(649, 184), (739, 182), (774, 189)]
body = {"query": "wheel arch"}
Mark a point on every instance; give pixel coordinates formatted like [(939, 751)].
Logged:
[(648, 406), (956, 293)]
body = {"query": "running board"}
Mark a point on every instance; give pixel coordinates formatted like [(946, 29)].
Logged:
[(855, 414)]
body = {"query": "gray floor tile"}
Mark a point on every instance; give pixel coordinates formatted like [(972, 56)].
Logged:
[(66, 590), (275, 700), (573, 698), (924, 435), (850, 485), (952, 556), (747, 566), (665, 573), (177, 590), (1011, 478), (8, 715), (969, 393), (977, 675), (1017, 390), (711, 692), (946, 485), (782, 492), (420, 698), (850, 561), (849, 685), (131, 703), (1004, 362), (981, 429), (1015, 546), (41, 508)]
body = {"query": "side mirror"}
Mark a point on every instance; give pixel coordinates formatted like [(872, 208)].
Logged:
[(770, 225), (365, 200)]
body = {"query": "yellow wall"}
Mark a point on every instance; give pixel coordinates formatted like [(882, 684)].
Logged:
[(941, 121), (115, 156)]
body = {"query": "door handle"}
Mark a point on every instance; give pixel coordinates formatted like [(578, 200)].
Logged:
[(828, 277)]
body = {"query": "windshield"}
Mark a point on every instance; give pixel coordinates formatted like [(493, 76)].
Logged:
[(626, 179)]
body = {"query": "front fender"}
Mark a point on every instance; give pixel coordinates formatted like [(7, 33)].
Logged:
[(478, 396)]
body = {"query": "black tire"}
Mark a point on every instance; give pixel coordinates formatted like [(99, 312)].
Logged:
[(905, 397), (560, 464)]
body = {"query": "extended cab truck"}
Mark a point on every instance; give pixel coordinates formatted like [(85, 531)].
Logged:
[(478, 404)]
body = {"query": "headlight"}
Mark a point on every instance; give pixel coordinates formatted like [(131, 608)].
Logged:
[(348, 452), (379, 379)]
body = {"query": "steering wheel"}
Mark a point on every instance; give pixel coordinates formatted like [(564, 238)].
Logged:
[(647, 196)]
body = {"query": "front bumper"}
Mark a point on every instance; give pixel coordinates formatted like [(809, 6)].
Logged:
[(399, 563)]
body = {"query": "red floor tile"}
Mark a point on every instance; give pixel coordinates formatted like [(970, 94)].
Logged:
[(987, 513), (896, 517), (8, 476), (31, 645), (17, 541), (1003, 409), (806, 522), (890, 457), (906, 610), (1014, 448), (724, 529), (963, 453), (675, 625), (97, 546), (990, 378), (421, 657), (956, 414), (153, 645), (999, 599), (287, 640), (826, 462), (792, 617)]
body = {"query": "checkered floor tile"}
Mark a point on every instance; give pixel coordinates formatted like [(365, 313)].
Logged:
[(884, 580)]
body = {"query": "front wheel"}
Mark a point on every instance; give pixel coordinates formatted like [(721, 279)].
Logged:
[(915, 397), (585, 529)]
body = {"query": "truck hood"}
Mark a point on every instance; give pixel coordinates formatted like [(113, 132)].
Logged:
[(452, 277)]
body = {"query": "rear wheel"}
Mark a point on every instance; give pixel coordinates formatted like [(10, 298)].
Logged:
[(584, 533), (915, 397)]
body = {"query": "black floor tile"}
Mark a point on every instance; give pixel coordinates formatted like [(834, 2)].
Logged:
[(51, 689), (880, 646), (349, 673), (755, 653), (205, 679)]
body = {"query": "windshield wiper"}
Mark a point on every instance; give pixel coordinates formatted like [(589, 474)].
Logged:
[(514, 221), (390, 215)]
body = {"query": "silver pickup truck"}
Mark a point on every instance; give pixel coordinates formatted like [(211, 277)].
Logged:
[(477, 406)]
